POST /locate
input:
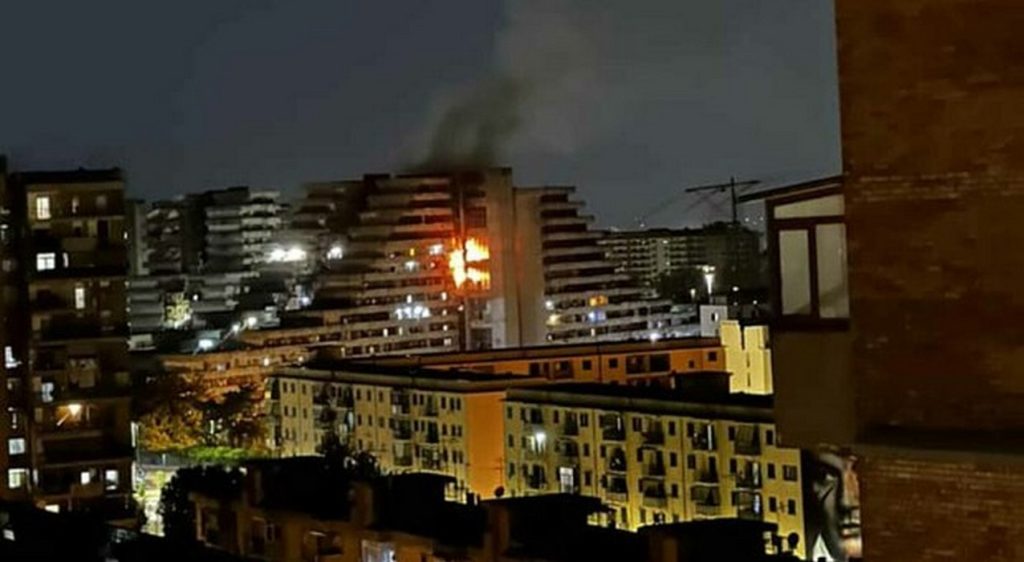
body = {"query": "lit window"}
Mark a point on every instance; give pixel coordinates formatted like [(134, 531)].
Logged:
[(16, 446), (46, 261), (79, 297), (85, 477), (10, 361), (101, 201), (43, 207), (17, 478), (111, 479)]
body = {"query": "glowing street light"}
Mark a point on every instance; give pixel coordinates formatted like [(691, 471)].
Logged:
[(709, 278)]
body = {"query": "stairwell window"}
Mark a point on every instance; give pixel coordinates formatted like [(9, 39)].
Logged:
[(43, 207)]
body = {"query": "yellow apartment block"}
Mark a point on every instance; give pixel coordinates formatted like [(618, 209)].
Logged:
[(654, 455), (747, 357), (444, 422)]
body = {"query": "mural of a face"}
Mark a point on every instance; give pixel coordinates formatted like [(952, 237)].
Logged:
[(834, 510)]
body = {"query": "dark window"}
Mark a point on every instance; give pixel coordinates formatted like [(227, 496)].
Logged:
[(637, 424), (535, 369), (791, 507), (586, 478), (732, 466), (587, 365), (771, 471), (773, 505), (671, 428), (660, 362), (556, 416), (673, 459), (732, 433), (584, 420), (691, 462), (586, 449), (675, 490), (769, 437), (613, 363), (789, 473), (509, 411), (712, 356)]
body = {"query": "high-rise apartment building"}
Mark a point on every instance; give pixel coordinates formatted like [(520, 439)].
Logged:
[(213, 260), (461, 261), (654, 455), (66, 431), (732, 251)]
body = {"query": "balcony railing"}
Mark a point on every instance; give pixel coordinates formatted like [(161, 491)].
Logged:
[(571, 429), (750, 480), (613, 434), (707, 476), (702, 442), (655, 498), (748, 512), (750, 447), (655, 469), (403, 460), (654, 437), (708, 509)]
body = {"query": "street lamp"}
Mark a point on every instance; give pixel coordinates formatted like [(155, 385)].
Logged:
[(709, 278)]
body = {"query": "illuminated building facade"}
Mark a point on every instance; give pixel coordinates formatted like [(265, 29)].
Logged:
[(460, 261), (66, 436), (445, 422), (654, 455)]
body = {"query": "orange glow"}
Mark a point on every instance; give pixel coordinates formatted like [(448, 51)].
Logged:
[(459, 259)]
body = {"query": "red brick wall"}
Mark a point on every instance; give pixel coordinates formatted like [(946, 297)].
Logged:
[(941, 511), (933, 145), (932, 99)]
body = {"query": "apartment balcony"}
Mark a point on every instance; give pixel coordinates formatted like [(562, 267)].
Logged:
[(708, 510), (537, 481), (430, 409), (402, 433), (404, 461), (613, 434), (570, 428), (655, 437), (703, 442), (617, 497), (749, 513), (656, 498), (72, 330), (749, 480), (654, 470), (705, 476), (432, 463), (747, 448), (433, 437), (617, 461)]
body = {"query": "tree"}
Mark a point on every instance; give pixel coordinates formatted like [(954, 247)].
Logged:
[(676, 285), (169, 420), (360, 464)]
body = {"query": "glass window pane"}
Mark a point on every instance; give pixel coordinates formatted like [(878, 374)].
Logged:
[(833, 293), (795, 272)]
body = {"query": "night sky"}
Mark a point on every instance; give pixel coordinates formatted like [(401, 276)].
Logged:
[(629, 100)]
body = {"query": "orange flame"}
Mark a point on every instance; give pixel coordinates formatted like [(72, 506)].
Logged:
[(474, 251)]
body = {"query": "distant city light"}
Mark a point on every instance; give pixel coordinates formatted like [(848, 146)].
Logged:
[(654, 337), (251, 321), (412, 312), (436, 250), (709, 278), (336, 252), (206, 344), (282, 255), (549, 304)]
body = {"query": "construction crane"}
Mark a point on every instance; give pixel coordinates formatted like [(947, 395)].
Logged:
[(731, 186)]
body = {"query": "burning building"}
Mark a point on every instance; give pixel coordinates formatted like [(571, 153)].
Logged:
[(462, 261)]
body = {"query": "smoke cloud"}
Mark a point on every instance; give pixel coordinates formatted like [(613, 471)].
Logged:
[(543, 61)]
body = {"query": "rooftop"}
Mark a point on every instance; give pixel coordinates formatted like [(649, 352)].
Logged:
[(690, 401), (80, 175), (546, 352), (403, 375)]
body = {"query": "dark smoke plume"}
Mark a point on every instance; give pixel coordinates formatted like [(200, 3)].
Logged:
[(472, 132), (542, 71)]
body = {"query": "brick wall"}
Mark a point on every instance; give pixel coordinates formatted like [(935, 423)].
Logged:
[(929, 511), (933, 150), (933, 146)]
